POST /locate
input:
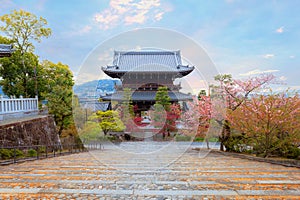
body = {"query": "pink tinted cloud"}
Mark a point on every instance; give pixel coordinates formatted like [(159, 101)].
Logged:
[(129, 12)]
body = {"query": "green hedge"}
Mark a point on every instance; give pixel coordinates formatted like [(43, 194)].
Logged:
[(9, 153), (200, 139), (6, 153), (182, 138), (31, 153)]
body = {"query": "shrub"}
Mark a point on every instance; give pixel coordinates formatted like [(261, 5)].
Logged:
[(42, 149), (292, 152), (19, 153), (9, 153), (213, 139), (6, 153), (32, 153), (183, 138), (295, 153), (198, 139), (113, 138)]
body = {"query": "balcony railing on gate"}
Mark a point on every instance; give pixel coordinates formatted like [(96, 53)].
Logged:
[(14, 105)]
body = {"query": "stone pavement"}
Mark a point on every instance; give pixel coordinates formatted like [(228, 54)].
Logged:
[(148, 170)]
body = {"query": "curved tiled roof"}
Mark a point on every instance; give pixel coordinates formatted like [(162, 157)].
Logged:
[(147, 61), (135, 59), (5, 50)]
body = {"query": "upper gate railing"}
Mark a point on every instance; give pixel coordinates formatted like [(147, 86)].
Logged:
[(14, 105)]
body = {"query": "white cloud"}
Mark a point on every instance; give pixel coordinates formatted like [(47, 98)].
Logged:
[(84, 30), (138, 48), (105, 58), (282, 78), (290, 88), (129, 12), (138, 18), (106, 19), (78, 30), (258, 71), (292, 56), (267, 56), (158, 16), (280, 30)]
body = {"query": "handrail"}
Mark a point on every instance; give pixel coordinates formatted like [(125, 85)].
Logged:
[(15, 105)]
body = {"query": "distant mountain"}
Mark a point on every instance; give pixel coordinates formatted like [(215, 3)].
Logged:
[(96, 88)]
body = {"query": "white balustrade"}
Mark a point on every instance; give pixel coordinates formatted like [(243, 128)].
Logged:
[(14, 105)]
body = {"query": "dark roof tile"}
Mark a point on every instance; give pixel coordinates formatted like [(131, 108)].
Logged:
[(140, 61), (5, 50)]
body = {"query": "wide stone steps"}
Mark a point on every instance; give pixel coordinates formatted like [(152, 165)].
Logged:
[(156, 171)]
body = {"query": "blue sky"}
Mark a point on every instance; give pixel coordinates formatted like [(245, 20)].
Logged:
[(240, 37)]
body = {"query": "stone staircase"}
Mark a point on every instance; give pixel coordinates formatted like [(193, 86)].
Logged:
[(148, 170)]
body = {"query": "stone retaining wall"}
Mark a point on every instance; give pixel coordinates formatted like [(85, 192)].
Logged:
[(40, 130)]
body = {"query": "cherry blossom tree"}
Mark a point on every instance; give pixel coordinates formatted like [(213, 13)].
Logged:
[(205, 116), (234, 93), (272, 122), (172, 115), (190, 118)]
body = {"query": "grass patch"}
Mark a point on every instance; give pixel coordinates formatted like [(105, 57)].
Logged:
[(201, 139), (182, 138)]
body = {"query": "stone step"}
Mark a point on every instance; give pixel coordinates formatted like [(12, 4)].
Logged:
[(117, 174)]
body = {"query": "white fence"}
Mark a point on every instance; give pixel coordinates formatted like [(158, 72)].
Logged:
[(14, 105)]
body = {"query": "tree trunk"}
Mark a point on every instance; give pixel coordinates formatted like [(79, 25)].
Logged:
[(226, 132), (60, 129), (61, 125), (221, 146), (207, 143), (24, 77)]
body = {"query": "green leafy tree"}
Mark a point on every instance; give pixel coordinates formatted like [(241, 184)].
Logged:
[(162, 98), (110, 121), (17, 80), (5, 40), (22, 28), (126, 108), (81, 114), (201, 93), (161, 109), (90, 132), (58, 91)]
